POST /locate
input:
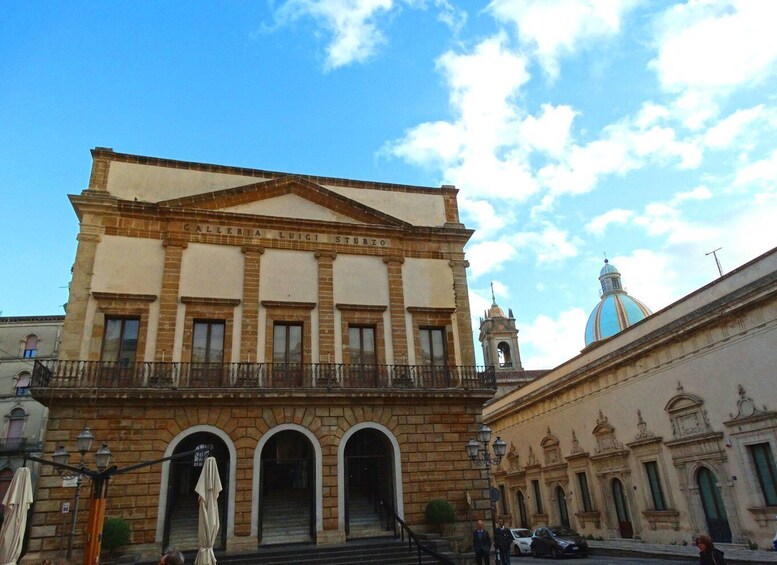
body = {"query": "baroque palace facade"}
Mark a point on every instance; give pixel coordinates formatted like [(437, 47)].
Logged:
[(313, 333), (662, 431)]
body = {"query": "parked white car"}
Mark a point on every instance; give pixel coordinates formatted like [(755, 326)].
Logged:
[(521, 541)]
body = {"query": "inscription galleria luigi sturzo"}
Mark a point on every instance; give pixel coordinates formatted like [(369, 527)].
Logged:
[(287, 235)]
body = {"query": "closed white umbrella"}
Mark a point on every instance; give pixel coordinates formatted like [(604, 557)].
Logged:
[(208, 489), (17, 501)]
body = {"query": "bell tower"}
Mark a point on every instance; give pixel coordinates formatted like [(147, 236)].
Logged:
[(499, 338)]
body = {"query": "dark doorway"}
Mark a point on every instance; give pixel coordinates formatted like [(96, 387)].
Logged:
[(182, 514), (714, 511), (287, 494), (369, 482), (563, 513), (622, 510), (522, 511)]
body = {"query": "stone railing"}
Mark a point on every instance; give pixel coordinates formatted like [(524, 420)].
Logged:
[(55, 374)]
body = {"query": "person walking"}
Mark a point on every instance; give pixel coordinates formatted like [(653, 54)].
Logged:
[(708, 553), (503, 540), (481, 544)]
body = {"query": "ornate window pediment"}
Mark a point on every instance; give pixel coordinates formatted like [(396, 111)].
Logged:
[(551, 449), (687, 414), (746, 408), (605, 436)]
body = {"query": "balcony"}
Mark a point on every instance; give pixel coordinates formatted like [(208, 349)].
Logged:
[(92, 375), (11, 445)]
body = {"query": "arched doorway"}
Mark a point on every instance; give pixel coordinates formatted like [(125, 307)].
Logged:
[(561, 501), (714, 511), (182, 510), (369, 481), (522, 515), (287, 491), (622, 510)]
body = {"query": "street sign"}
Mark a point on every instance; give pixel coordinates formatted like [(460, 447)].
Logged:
[(70, 482), (65, 507)]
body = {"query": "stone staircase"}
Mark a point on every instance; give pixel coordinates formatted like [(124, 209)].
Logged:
[(358, 552), (363, 520), (184, 523), (286, 517)]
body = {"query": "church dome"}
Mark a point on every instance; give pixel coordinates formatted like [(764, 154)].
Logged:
[(616, 310)]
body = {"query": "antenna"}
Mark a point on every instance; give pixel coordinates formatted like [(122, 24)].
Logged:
[(714, 253)]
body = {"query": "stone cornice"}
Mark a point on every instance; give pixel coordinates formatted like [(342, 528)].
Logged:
[(124, 296), (361, 307), (289, 304), (208, 301)]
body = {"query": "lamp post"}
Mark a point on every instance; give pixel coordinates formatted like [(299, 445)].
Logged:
[(102, 458), (479, 454)]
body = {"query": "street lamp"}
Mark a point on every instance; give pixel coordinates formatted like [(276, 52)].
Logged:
[(60, 456), (478, 452)]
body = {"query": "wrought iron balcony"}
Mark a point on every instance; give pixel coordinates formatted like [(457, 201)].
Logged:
[(10, 445), (53, 374)]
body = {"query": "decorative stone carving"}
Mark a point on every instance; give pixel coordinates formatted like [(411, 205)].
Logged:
[(643, 432), (551, 449), (687, 414), (531, 460), (746, 407), (513, 459), (605, 436), (576, 449)]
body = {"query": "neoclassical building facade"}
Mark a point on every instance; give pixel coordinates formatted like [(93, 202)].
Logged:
[(312, 333), (661, 432)]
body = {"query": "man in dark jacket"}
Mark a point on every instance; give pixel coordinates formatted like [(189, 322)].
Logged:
[(481, 545), (503, 540)]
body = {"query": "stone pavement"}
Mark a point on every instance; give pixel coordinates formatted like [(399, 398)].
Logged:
[(734, 554)]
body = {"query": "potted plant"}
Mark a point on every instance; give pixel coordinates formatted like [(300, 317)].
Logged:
[(439, 512), (116, 533)]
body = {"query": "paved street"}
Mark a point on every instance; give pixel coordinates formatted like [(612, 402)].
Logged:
[(603, 560)]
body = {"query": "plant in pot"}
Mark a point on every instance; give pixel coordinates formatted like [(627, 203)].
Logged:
[(116, 533), (439, 512)]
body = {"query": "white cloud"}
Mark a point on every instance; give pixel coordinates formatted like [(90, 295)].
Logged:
[(763, 172), (600, 223), (652, 276), (549, 132), (352, 23), (723, 134), (547, 342), (554, 28), (548, 244), (715, 45), (698, 193), (489, 256)]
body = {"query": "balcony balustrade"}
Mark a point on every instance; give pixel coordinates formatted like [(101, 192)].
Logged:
[(57, 374), (11, 445)]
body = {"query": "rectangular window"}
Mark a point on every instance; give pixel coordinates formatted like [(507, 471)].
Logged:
[(764, 468), (287, 343), (585, 494), (535, 485), (287, 355), (208, 342), (651, 468), (361, 343), (432, 342), (120, 341)]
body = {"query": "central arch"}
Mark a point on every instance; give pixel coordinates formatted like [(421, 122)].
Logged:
[(350, 452), (293, 436)]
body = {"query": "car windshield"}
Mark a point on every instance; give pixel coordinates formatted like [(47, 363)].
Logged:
[(563, 532), (521, 533)]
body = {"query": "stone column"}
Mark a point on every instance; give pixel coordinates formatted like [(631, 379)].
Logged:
[(80, 287), (326, 307), (250, 325), (168, 300), (397, 309), (463, 320)]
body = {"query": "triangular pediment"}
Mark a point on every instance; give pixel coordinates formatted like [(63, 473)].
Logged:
[(288, 197)]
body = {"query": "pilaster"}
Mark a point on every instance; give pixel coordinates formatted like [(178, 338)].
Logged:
[(80, 287), (461, 296), (168, 299), (326, 306), (249, 335), (397, 308)]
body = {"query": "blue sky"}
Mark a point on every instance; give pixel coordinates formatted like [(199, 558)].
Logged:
[(573, 128)]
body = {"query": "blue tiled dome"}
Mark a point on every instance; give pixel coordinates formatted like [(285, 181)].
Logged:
[(616, 310)]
